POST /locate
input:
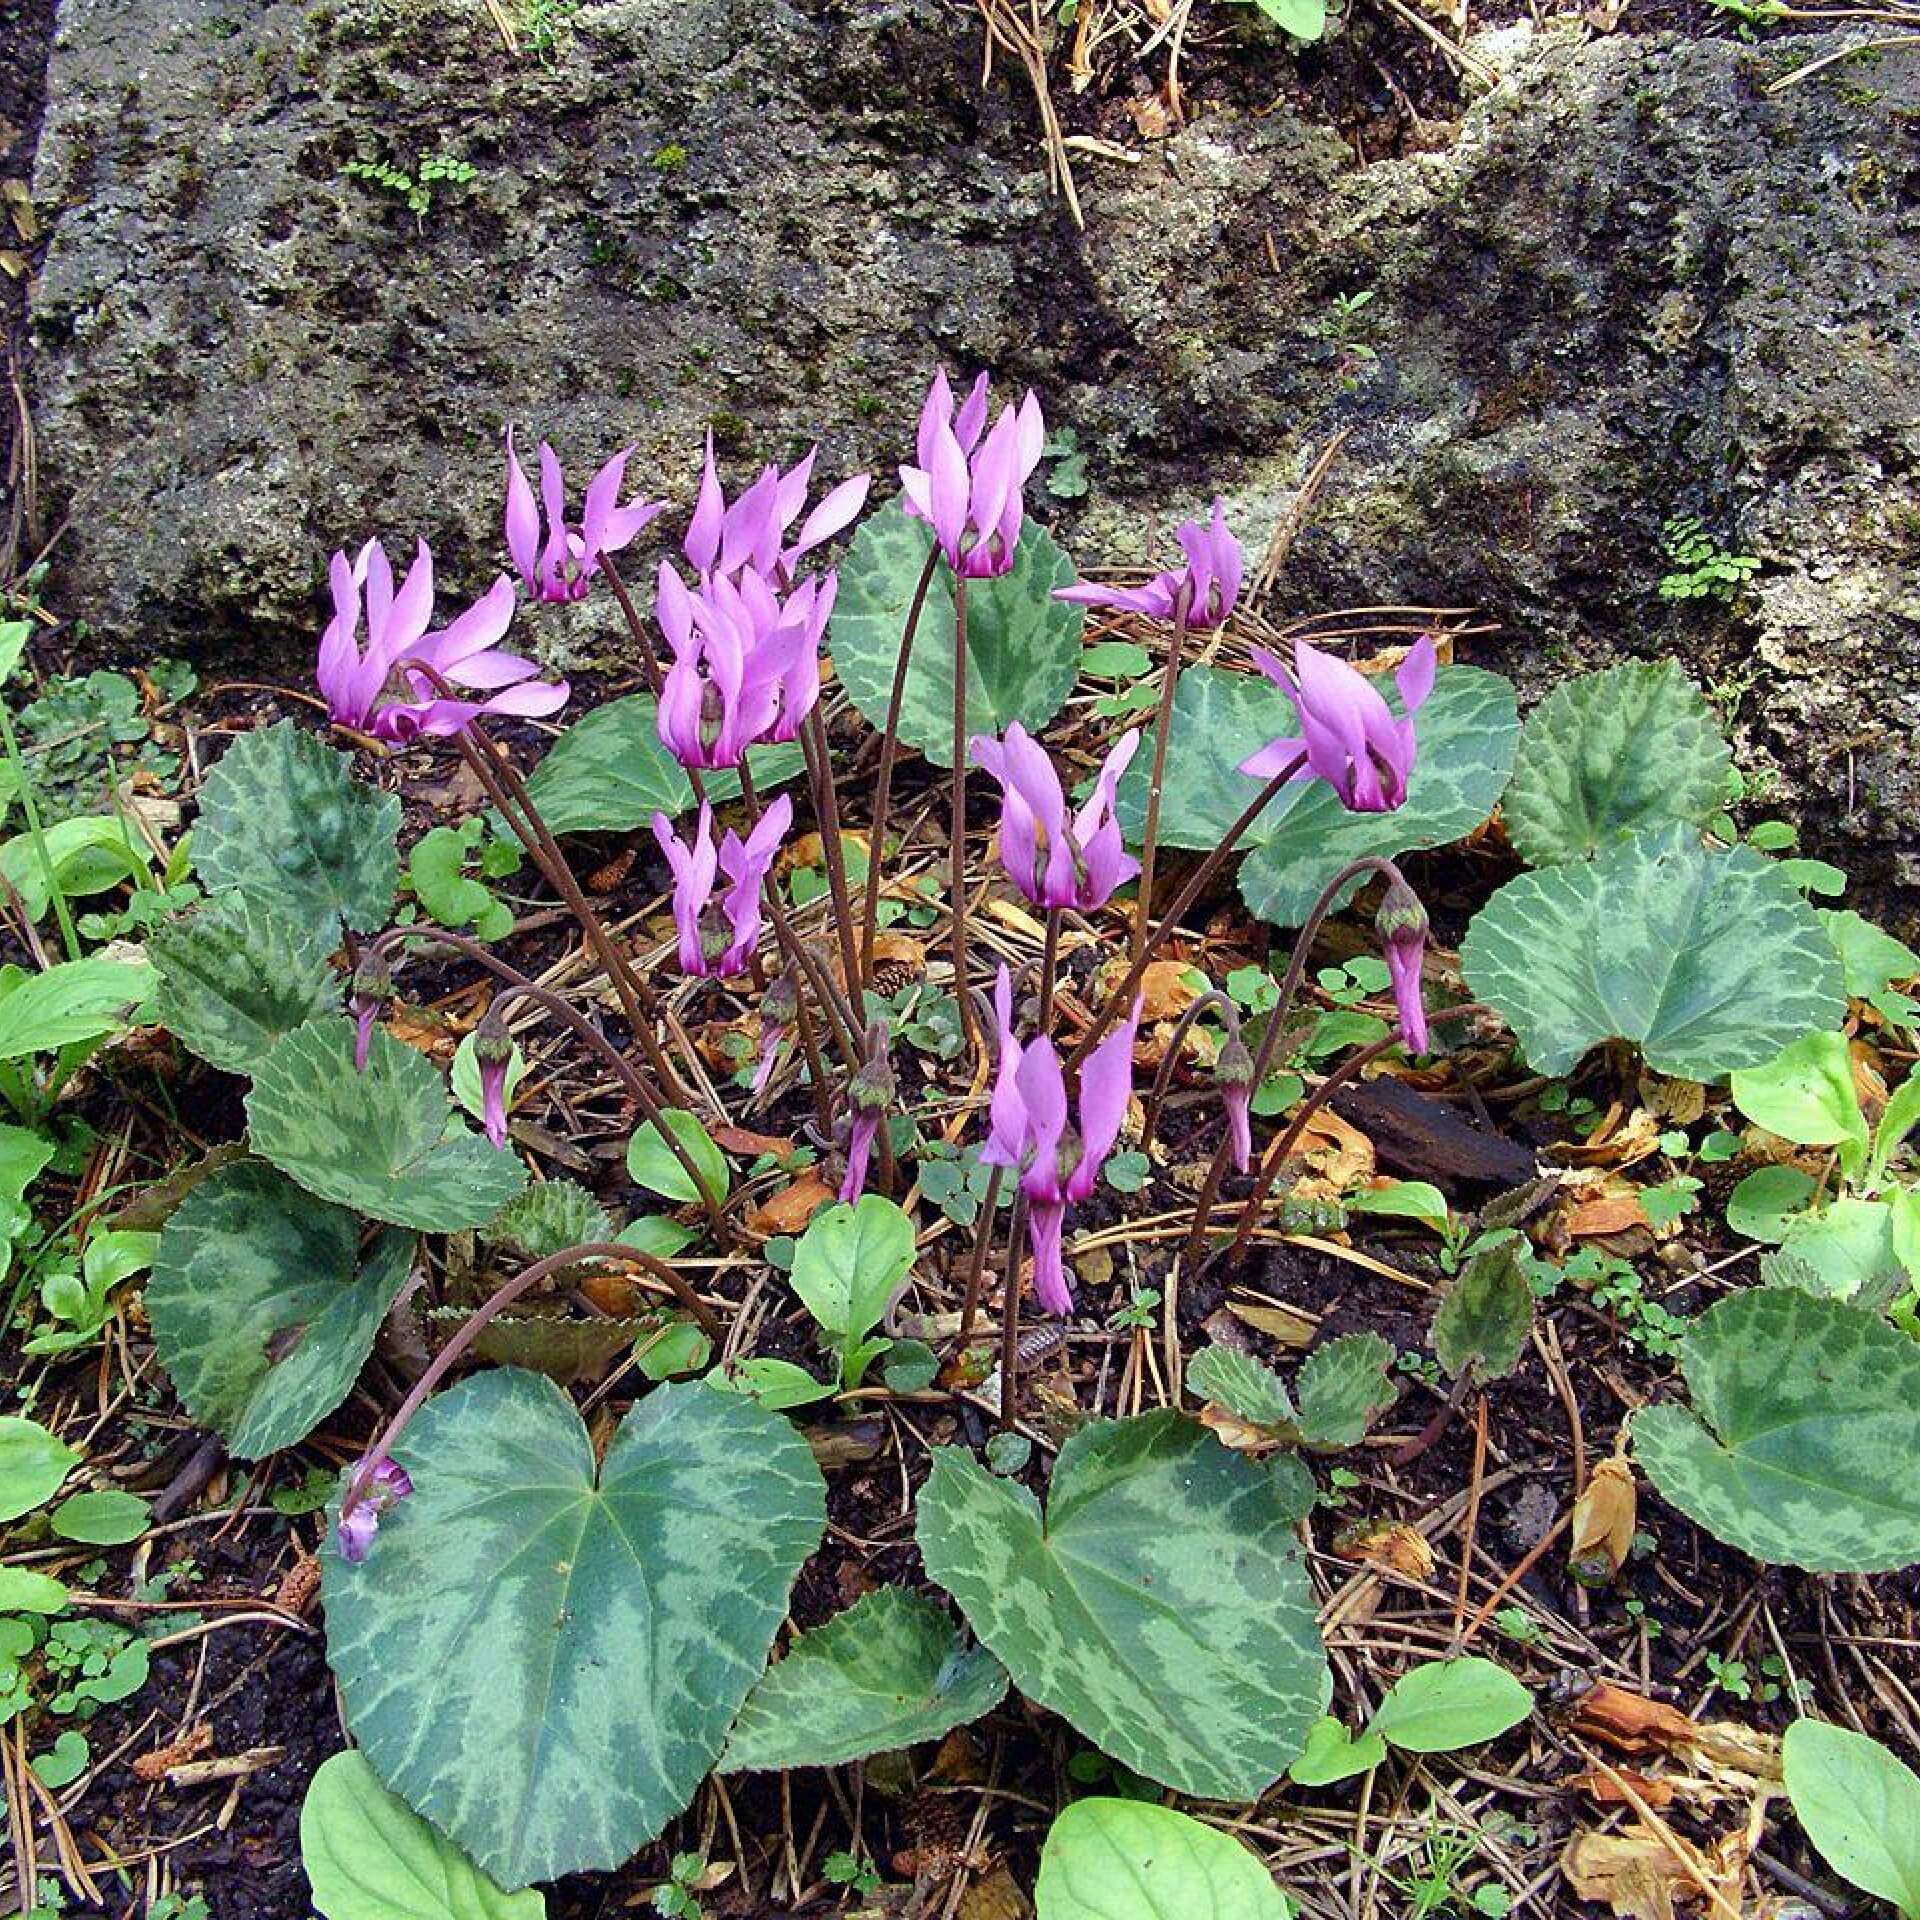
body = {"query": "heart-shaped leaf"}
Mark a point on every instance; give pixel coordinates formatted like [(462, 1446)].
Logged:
[(1805, 1093), (234, 976), (383, 1139), (850, 1262), (1710, 961), (1342, 1385), (369, 1856), (1467, 730), (608, 773), (543, 1655), (1610, 753), (889, 1672), (1161, 1606), (1799, 1405), (1131, 1860), (1023, 646), (283, 819), (261, 1315)]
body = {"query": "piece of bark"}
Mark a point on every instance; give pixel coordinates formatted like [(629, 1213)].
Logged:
[(1425, 1139)]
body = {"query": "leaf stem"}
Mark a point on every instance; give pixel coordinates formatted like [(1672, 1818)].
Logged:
[(1162, 728), (957, 833)]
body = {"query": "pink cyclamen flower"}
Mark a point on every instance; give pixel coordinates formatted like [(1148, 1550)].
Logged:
[(968, 484), (1030, 1131), (1402, 925), (779, 1006), (1086, 859), (1233, 1075), (1203, 592), (746, 663), (751, 531), (372, 989), (563, 568), (719, 938), (1348, 733), (871, 1092), (465, 653), (493, 1055), (386, 1487)]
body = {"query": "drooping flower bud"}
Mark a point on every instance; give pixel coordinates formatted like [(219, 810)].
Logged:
[(386, 1487), (493, 1054), (871, 1091), (372, 989), (779, 1007), (1402, 926), (1233, 1075)]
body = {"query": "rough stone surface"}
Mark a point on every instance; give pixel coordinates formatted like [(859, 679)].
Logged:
[(1633, 284)]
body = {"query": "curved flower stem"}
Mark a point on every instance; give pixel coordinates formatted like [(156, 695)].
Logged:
[(1010, 1312), (1276, 1155), (1049, 959), (577, 1022), (889, 750), (502, 783), (1122, 995), (826, 810), (1162, 728), (1276, 1024), (649, 659), (476, 1323), (977, 1264), (957, 833), (846, 1029), (1213, 997)]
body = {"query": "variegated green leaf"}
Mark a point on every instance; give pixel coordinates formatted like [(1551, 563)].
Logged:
[(1486, 1315), (1343, 1385), (1161, 1607), (1710, 961), (283, 819), (1023, 646), (382, 1138), (1611, 752), (889, 1672), (261, 1314), (1238, 1382), (1805, 1411), (234, 976), (543, 1656)]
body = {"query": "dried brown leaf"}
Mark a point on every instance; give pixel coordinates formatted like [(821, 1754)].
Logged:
[(1604, 1517)]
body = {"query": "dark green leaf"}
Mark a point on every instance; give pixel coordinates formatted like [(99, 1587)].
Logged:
[(235, 975)]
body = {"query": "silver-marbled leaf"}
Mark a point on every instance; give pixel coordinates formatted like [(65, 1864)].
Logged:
[(542, 1656), (1709, 960), (283, 819), (889, 1672), (1806, 1412), (236, 974), (1023, 646), (1160, 1606), (382, 1138), (263, 1313)]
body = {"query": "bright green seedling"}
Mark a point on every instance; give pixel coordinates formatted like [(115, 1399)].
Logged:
[(890, 1672), (448, 893), (1333, 1754), (847, 1268), (1222, 1722), (64, 1012), (1108, 1859), (369, 1856), (652, 1164), (1023, 646), (1860, 1807), (33, 1465), (107, 1518), (1799, 1403), (77, 1289), (1444, 1705), (581, 1647), (1875, 964)]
